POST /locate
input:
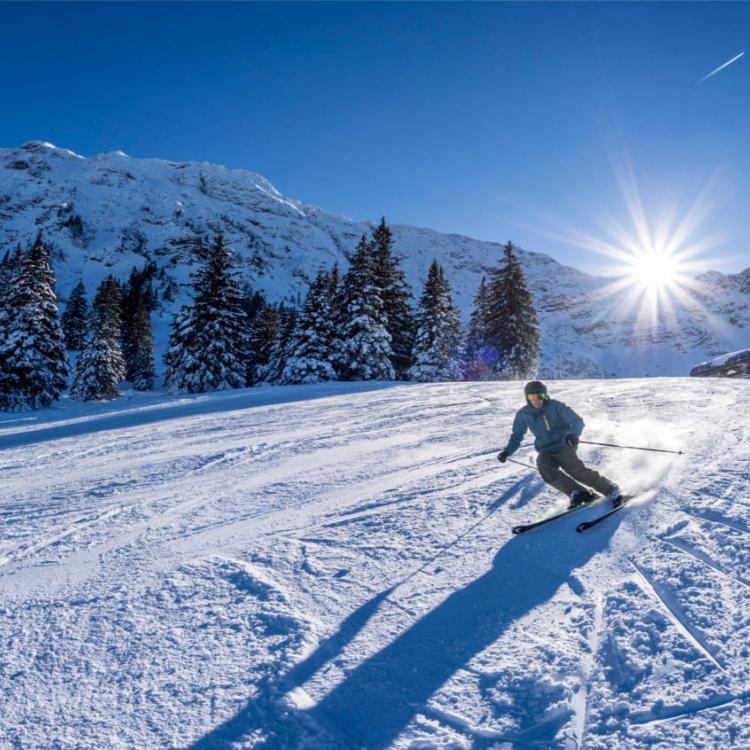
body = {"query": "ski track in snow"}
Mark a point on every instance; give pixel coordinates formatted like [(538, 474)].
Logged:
[(332, 567)]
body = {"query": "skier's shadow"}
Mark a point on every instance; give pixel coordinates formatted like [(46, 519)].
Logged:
[(378, 699), (265, 713)]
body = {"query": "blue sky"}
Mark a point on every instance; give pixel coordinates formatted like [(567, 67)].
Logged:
[(536, 122)]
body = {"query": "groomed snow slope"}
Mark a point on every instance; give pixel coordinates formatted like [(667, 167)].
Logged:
[(332, 566)]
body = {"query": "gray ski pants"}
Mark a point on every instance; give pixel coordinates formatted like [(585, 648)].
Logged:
[(566, 472)]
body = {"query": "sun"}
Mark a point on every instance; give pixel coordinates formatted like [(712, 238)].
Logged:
[(656, 250), (654, 269), (653, 272)]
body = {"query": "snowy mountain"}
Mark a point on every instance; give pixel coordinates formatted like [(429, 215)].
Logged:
[(332, 567), (110, 212)]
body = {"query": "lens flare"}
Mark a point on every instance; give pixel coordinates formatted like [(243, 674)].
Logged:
[(653, 257), (654, 269), (655, 249)]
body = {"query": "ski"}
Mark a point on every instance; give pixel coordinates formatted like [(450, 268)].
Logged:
[(588, 524), (523, 528)]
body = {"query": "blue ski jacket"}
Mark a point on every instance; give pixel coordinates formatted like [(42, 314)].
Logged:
[(549, 425)]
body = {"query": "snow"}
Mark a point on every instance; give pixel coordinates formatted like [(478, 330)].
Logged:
[(32, 145), (724, 358), (331, 566), (122, 211)]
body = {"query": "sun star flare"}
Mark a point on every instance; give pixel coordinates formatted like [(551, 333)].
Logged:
[(654, 269)]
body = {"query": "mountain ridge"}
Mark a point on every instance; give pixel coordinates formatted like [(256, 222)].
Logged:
[(106, 213)]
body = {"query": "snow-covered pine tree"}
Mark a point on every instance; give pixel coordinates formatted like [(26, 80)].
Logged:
[(74, 319), (478, 357), (208, 348), (138, 300), (281, 350), (311, 347), (106, 312), (512, 324), (263, 331), (177, 348), (438, 341), (138, 297), (334, 293), (396, 295), (10, 265), (364, 344), (142, 364), (338, 315), (337, 296), (33, 366), (100, 367), (252, 302)]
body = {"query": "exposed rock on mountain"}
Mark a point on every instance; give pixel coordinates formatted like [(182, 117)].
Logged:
[(107, 213)]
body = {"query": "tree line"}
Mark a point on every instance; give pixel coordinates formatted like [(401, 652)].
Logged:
[(360, 325)]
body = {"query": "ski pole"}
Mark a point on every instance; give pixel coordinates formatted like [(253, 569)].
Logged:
[(633, 447), (521, 463)]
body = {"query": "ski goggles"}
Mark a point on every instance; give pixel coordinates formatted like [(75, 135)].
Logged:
[(536, 396)]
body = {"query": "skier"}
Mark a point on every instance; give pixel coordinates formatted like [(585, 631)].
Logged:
[(557, 429)]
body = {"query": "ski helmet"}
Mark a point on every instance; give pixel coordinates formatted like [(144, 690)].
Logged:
[(535, 386)]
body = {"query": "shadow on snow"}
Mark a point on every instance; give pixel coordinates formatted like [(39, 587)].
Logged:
[(380, 697), (93, 418)]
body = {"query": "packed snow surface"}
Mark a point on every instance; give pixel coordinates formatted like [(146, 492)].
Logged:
[(332, 567)]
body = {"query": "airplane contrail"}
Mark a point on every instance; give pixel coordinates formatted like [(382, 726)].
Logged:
[(721, 67)]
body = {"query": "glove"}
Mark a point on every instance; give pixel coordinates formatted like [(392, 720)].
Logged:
[(502, 456), (572, 440)]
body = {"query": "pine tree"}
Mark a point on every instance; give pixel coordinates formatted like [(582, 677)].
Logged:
[(106, 313), (512, 327), (263, 332), (479, 358), (252, 303), (337, 296), (337, 302), (272, 371), (334, 293), (100, 367), (364, 344), (142, 363), (33, 366), (208, 348), (436, 348), (10, 266), (139, 290), (395, 295), (311, 347), (180, 342), (74, 319), (138, 301)]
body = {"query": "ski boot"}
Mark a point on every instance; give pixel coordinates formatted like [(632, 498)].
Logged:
[(615, 497), (580, 497)]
